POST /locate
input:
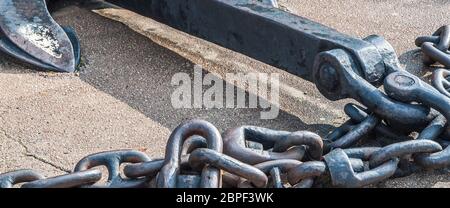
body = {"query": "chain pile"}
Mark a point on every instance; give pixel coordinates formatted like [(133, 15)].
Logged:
[(436, 49), (199, 156)]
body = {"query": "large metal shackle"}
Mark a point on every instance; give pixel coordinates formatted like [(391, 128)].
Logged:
[(337, 74)]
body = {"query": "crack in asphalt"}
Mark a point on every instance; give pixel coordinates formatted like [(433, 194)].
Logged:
[(28, 153), (37, 157)]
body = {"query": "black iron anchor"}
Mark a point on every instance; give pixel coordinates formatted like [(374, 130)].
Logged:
[(341, 66)]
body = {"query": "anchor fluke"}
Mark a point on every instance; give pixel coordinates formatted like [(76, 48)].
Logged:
[(29, 33)]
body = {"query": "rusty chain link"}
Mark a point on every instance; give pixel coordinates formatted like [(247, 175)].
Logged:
[(368, 148)]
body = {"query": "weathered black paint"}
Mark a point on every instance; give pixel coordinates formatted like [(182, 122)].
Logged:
[(268, 34)]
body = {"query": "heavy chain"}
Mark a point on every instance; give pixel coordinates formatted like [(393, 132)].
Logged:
[(436, 49), (194, 158), (199, 156)]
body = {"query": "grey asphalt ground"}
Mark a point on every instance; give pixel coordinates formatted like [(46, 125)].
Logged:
[(120, 98)]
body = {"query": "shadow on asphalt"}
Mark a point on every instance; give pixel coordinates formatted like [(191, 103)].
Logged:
[(138, 72), (10, 65), (412, 62)]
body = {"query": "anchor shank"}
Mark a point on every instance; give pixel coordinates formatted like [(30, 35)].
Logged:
[(260, 31)]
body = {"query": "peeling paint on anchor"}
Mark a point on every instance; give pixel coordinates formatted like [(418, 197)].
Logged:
[(257, 7), (31, 35), (41, 37), (35, 33)]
